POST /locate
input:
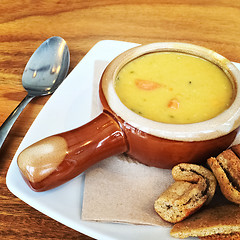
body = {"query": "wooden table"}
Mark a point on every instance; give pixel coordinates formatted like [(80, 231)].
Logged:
[(25, 24)]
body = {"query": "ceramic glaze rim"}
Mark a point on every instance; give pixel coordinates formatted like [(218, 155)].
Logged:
[(218, 126)]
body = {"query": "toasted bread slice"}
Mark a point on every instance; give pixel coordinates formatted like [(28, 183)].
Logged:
[(180, 200), (223, 219), (193, 173), (187, 194), (231, 236), (226, 168)]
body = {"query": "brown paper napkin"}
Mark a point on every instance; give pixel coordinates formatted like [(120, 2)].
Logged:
[(120, 190)]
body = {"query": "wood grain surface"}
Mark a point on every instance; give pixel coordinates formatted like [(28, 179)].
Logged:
[(25, 24)]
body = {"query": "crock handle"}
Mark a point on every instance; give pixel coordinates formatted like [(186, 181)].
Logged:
[(59, 158)]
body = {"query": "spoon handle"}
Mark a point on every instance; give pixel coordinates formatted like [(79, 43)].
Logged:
[(7, 125)]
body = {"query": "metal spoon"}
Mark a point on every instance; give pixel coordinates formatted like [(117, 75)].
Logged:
[(44, 72)]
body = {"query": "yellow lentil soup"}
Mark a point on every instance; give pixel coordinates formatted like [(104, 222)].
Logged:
[(174, 87)]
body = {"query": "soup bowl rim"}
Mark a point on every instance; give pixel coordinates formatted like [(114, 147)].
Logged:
[(218, 126)]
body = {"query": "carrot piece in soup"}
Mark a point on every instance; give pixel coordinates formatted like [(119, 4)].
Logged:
[(146, 84), (173, 103)]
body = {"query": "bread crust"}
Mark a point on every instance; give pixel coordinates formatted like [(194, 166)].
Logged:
[(194, 186), (194, 173), (180, 200), (231, 236), (223, 219), (226, 168)]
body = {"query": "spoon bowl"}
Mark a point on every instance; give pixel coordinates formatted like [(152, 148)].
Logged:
[(47, 67), (44, 72)]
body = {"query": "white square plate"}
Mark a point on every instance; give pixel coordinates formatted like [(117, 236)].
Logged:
[(70, 107)]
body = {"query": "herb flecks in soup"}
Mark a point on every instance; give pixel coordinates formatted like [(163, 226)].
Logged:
[(173, 87)]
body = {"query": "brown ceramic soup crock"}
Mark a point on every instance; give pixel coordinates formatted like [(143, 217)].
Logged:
[(59, 158)]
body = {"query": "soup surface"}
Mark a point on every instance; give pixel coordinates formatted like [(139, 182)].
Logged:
[(173, 87)]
